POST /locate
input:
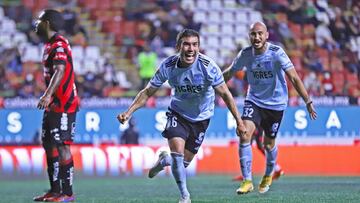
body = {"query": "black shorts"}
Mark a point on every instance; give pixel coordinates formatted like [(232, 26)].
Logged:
[(58, 128), (192, 133), (268, 120)]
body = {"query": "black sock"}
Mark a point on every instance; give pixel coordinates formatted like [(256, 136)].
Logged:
[(66, 176), (53, 172)]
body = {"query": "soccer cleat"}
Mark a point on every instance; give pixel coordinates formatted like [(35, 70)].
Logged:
[(48, 194), (265, 184), (185, 200), (246, 186), (277, 174), (157, 167), (61, 198)]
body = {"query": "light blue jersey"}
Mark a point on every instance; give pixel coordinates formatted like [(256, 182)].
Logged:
[(266, 76), (193, 87)]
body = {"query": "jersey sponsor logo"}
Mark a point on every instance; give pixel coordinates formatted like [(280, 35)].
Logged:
[(60, 56), (64, 122), (188, 88), (262, 74)]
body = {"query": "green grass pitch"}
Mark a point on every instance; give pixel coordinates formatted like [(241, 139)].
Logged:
[(203, 188)]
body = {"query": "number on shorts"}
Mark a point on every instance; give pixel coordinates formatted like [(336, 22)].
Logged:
[(248, 112), (172, 121)]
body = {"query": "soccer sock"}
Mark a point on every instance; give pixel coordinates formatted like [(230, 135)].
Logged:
[(186, 163), (271, 156), (165, 161), (66, 175), (53, 171), (179, 173), (245, 154)]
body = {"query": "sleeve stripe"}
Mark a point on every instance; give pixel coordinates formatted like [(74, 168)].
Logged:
[(153, 84)]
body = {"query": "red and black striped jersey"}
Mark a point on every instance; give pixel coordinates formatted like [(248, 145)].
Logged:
[(57, 51)]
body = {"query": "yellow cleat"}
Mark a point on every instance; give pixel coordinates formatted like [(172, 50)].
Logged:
[(246, 186), (265, 184)]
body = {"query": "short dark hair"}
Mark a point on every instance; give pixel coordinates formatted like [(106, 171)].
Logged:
[(186, 33), (55, 19)]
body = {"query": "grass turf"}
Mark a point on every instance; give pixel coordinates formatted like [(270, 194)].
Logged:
[(203, 188)]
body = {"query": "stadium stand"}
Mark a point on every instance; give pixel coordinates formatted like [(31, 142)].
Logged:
[(107, 35)]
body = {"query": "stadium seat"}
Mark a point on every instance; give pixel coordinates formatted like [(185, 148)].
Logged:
[(78, 52), (31, 53), (215, 4), (214, 17), (227, 28), (228, 17), (241, 29), (1, 13), (200, 16), (188, 4), (104, 4), (20, 38), (255, 16), (228, 42), (202, 4), (78, 66), (242, 17), (92, 52), (338, 80), (212, 41), (229, 3), (7, 26), (351, 79)]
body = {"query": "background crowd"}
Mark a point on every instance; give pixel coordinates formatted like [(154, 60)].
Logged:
[(117, 44)]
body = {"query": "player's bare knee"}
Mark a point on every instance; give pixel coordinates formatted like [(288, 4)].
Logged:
[(64, 152)]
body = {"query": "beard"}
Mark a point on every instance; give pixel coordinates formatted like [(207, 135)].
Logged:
[(41, 32)]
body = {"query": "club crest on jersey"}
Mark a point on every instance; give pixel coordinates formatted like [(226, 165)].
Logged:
[(198, 78), (268, 65)]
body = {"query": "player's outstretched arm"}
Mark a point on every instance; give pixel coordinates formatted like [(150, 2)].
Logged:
[(53, 85), (138, 102), (299, 86), (223, 91)]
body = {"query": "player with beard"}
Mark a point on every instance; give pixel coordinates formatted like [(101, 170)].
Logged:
[(194, 79), (61, 103), (266, 65)]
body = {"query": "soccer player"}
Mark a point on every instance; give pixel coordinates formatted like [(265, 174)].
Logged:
[(61, 103), (194, 79), (266, 65)]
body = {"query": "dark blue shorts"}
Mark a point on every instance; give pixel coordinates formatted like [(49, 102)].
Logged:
[(58, 128), (269, 120), (192, 133)]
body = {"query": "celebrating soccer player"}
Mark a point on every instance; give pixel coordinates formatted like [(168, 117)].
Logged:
[(193, 77), (266, 65), (61, 103)]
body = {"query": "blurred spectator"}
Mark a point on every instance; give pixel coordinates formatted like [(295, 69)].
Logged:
[(327, 84), (312, 84), (339, 29), (147, 61), (350, 59), (131, 134), (324, 38), (311, 59)]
